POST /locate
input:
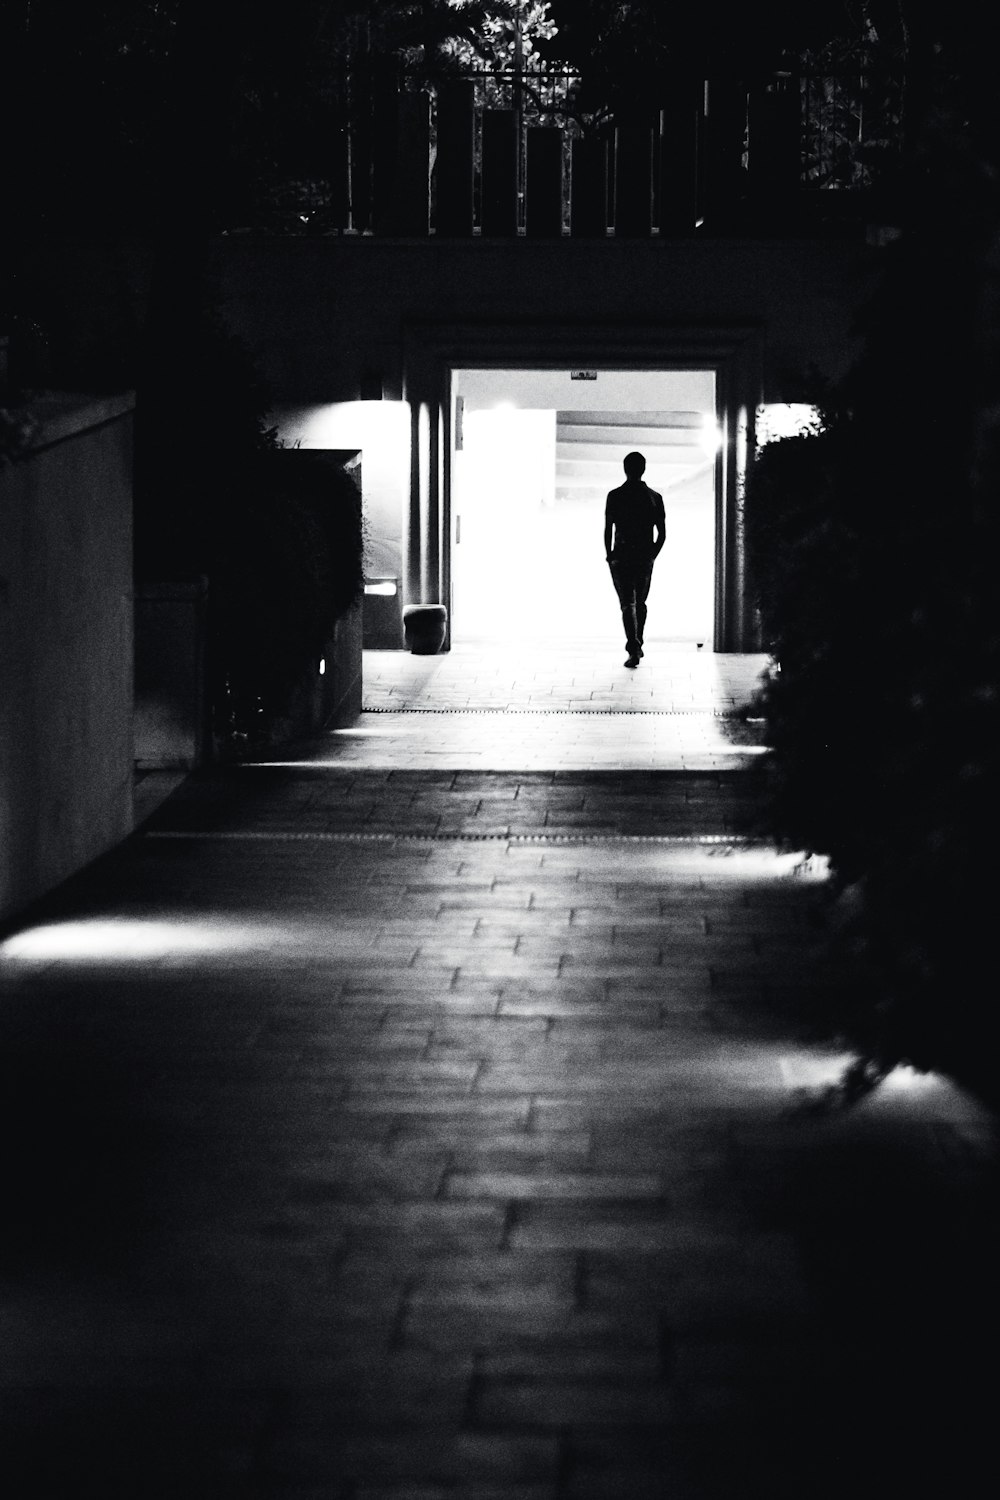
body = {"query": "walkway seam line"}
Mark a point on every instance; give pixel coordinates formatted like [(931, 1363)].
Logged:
[(576, 713), (322, 836)]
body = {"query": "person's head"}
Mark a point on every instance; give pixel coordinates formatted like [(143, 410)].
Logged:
[(635, 465)]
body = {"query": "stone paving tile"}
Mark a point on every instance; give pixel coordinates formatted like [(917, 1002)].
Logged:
[(440, 1455), (407, 1168), (590, 1404), (468, 1492), (680, 675), (551, 1187), (585, 712)]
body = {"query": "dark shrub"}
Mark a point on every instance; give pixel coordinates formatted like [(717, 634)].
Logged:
[(873, 547), (280, 542), (292, 568)]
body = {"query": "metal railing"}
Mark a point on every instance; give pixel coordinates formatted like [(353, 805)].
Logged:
[(504, 153)]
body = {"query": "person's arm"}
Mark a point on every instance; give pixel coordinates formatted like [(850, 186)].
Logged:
[(659, 527), (608, 528)]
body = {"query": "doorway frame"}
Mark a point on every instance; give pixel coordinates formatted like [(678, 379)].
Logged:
[(433, 351)]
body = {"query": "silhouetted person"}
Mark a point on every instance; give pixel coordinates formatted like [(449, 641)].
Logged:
[(634, 532)]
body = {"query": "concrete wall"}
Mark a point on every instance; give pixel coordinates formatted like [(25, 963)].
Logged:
[(170, 726), (66, 647), (322, 314), (613, 390), (331, 318), (329, 698), (342, 701)]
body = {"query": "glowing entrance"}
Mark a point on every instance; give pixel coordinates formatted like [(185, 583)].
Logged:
[(536, 452)]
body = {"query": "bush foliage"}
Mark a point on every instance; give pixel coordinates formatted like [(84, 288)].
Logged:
[(873, 546), (280, 543), (291, 571)]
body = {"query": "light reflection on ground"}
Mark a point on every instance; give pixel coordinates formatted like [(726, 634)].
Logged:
[(517, 741), (152, 939), (104, 939)]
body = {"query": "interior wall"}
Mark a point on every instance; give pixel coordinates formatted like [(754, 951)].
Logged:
[(528, 564), (611, 390), (508, 571)]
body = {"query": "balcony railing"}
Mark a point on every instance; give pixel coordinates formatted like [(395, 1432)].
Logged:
[(507, 156)]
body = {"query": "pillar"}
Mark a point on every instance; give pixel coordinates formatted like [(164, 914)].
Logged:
[(543, 181), (633, 180), (455, 126), (737, 397), (499, 172), (678, 186), (589, 188), (402, 167), (425, 570)]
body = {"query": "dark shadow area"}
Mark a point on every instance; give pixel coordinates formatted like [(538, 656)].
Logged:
[(82, 1155), (898, 1233), (235, 1269), (352, 800)]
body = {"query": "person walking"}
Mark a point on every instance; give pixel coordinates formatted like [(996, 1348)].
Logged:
[(634, 533)]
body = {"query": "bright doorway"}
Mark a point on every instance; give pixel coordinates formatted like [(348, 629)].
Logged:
[(536, 453)]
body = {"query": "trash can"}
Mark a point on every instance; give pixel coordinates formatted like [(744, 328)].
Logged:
[(425, 627)]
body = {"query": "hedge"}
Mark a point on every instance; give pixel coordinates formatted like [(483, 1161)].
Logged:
[(873, 545)]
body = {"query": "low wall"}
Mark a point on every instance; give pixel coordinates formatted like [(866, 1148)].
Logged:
[(66, 661), (171, 732), (343, 703), (330, 699)]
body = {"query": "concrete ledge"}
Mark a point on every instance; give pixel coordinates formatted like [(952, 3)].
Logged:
[(65, 414)]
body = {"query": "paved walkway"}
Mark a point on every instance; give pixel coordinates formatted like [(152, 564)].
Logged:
[(566, 709), (590, 677), (409, 1134)]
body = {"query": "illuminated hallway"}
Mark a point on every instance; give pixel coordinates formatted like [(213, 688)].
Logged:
[(401, 1129)]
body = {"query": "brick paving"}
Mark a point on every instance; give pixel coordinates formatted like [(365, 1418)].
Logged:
[(565, 708), (585, 678), (399, 1134)]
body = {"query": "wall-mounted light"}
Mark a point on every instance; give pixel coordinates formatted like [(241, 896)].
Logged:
[(710, 436), (385, 587)]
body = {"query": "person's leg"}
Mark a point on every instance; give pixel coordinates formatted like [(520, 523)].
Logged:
[(643, 580), (632, 642), (624, 580)]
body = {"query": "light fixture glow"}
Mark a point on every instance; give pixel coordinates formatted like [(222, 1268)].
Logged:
[(381, 426), (784, 419), (322, 666), (710, 437)]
